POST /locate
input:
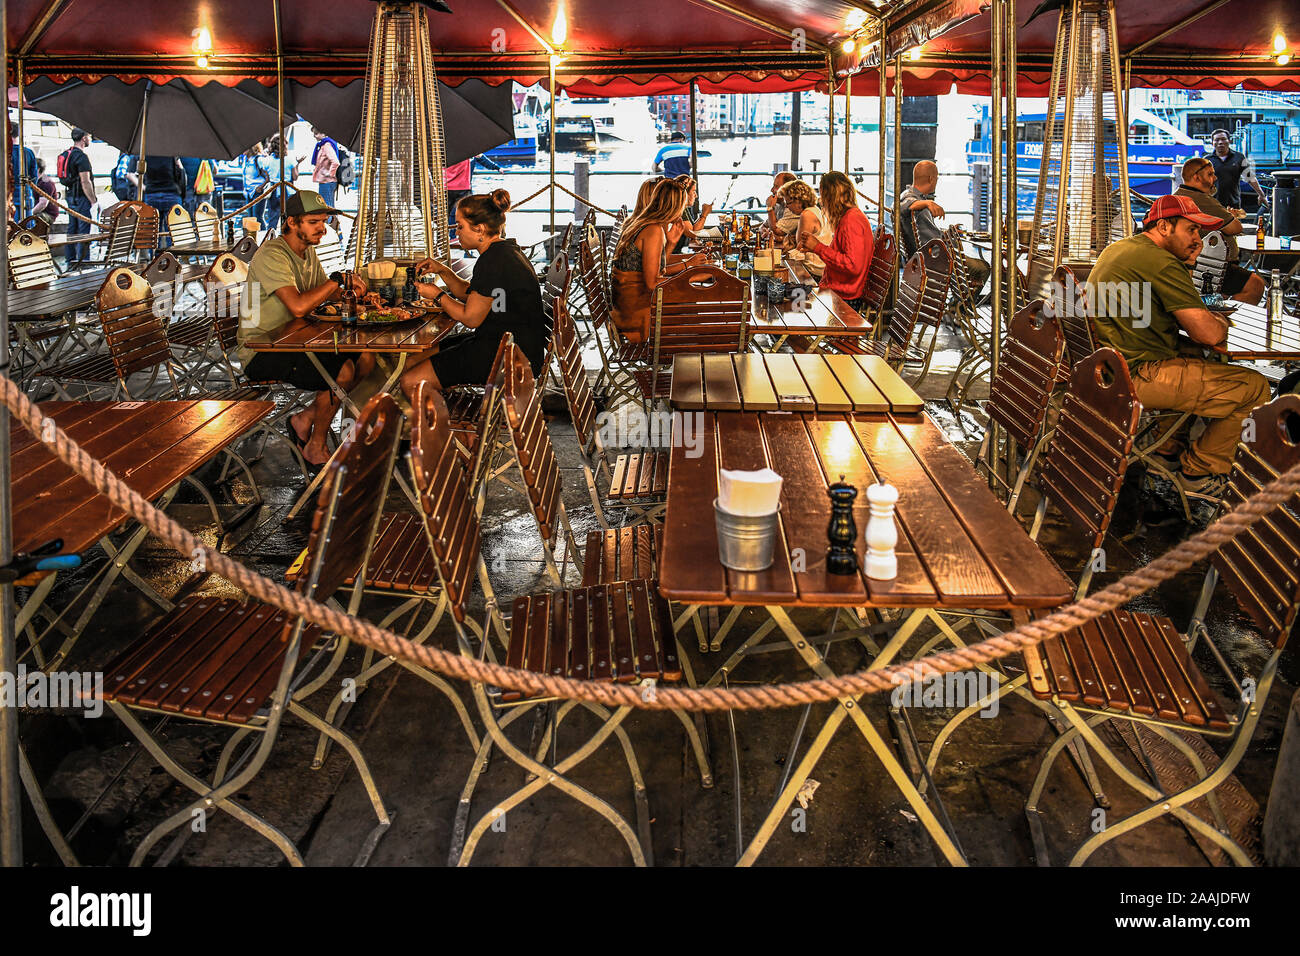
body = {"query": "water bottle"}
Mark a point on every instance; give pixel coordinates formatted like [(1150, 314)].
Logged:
[(1275, 296)]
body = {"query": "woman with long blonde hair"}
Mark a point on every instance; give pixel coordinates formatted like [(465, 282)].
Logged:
[(693, 219), (848, 254), (641, 258)]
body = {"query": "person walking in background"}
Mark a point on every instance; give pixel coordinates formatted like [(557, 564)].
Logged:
[(44, 209), (19, 172), (78, 180), (271, 166), (125, 181), (164, 185), (457, 178), (196, 178), (674, 159), (1230, 167), (254, 174), (325, 166)]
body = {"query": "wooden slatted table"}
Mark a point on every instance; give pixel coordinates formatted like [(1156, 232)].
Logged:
[(311, 335), (958, 549), (149, 445), (1252, 336), (816, 315), (772, 381)]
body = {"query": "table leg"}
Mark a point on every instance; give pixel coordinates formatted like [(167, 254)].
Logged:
[(848, 707)]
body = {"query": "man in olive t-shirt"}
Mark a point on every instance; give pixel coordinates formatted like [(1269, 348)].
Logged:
[(1198, 185), (1142, 298), (285, 282)]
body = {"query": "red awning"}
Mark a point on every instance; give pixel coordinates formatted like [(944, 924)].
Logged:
[(764, 44), (623, 48), (1227, 47)]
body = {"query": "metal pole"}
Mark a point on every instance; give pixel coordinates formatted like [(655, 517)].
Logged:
[(997, 13), (139, 159), (20, 207), (830, 113), (898, 140), (796, 118), (848, 123), (880, 126), (1013, 202), (695, 161), (554, 93), (11, 811), (279, 100)]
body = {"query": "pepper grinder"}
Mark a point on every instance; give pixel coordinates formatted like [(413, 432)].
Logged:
[(882, 535), (842, 530)]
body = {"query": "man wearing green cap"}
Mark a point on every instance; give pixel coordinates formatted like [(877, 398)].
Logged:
[(286, 281)]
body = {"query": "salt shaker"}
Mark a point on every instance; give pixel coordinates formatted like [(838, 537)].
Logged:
[(882, 535)]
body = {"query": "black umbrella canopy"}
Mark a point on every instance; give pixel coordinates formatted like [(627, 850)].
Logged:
[(211, 120), (475, 116)]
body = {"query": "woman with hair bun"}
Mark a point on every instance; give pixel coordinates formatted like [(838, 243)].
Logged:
[(503, 295)]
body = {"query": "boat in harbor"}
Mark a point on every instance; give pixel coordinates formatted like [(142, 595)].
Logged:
[(586, 123), (1166, 128)]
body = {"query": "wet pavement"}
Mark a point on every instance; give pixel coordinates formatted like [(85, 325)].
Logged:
[(109, 794)]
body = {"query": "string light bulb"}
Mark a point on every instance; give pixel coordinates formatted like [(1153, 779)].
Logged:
[(1283, 59), (914, 53), (560, 28), (848, 45), (1279, 42)]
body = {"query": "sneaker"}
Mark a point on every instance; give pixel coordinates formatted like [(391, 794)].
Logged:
[(1203, 487)]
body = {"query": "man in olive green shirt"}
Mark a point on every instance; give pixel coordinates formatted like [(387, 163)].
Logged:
[(286, 281), (1142, 298), (1199, 181)]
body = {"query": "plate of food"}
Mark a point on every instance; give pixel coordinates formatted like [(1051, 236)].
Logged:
[(370, 314)]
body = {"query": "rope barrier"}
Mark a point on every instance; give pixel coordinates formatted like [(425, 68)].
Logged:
[(270, 188), (586, 202), (70, 212), (455, 665)]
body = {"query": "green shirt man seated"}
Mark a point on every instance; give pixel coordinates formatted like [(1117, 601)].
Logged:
[(1146, 308), (286, 282)]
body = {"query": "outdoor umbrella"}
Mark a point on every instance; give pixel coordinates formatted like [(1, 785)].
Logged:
[(211, 120), (475, 116)]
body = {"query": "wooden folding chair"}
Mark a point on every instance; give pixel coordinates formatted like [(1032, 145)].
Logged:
[(404, 568), (620, 359), (607, 632), (207, 223), (181, 227), (701, 309), (880, 277), (242, 666), (29, 260), (637, 481), (922, 297), (119, 238), (146, 227), (1138, 667), (1018, 399), (1082, 473)]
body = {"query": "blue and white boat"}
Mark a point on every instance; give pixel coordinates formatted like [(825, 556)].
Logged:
[(520, 151), (1167, 127)]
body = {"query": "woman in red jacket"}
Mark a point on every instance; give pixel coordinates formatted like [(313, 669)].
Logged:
[(848, 255)]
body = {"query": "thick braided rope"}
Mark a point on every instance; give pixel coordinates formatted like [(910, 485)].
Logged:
[(270, 188), (817, 690), (70, 212)]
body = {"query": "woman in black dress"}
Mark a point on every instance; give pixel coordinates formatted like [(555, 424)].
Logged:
[(503, 295)]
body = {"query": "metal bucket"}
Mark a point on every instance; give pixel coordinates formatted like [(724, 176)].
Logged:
[(745, 542)]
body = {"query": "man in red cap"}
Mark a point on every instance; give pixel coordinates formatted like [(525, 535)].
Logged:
[(1143, 297)]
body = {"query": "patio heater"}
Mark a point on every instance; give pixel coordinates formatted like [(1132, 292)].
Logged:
[(1083, 193), (402, 204)]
